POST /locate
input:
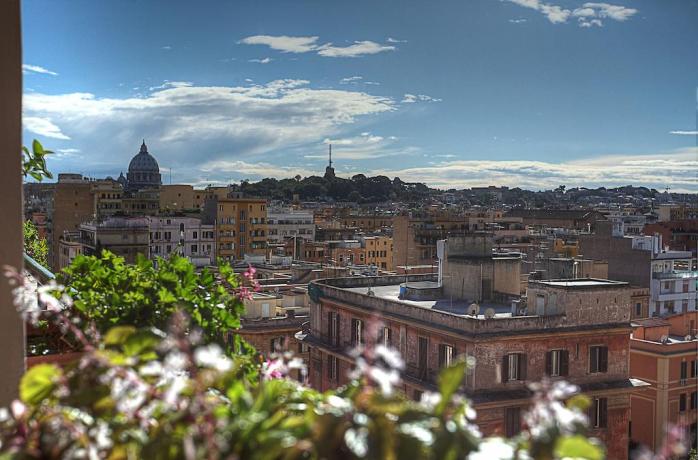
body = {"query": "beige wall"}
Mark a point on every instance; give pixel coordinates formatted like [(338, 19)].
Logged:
[(177, 197), (11, 326)]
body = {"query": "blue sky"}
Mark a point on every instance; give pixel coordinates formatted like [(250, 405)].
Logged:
[(522, 93)]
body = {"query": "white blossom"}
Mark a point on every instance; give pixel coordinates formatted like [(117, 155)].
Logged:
[(212, 356)]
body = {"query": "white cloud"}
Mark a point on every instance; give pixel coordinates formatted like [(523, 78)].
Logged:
[(287, 44), (355, 50), (412, 98), (43, 127), (684, 133), (170, 84), (364, 146), (283, 43), (374, 83), (67, 153), (677, 169), (588, 15), (395, 40), (266, 60), (28, 68), (166, 47), (190, 125), (353, 79), (615, 12), (517, 21)]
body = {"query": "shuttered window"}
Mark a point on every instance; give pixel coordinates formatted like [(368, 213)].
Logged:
[(557, 363), (598, 359), (598, 413), (446, 355), (514, 367)]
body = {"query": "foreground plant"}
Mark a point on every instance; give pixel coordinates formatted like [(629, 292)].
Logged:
[(145, 393)]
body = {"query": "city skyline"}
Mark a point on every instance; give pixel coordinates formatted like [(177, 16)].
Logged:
[(518, 93)]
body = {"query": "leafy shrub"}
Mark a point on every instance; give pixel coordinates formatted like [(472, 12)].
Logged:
[(34, 245)]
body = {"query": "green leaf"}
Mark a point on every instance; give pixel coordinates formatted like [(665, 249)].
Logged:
[(580, 402), (38, 383), (577, 447), (141, 342), (118, 335), (450, 379)]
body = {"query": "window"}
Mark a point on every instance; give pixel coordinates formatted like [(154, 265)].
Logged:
[(557, 363), (598, 412), (514, 367), (332, 367), (446, 355), (694, 400), (638, 309), (512, 421), (193, 248), (694, 368), (195, 235), (385, 336), (357, 332), (333, 328), (598, 359), (277, 344), (684, 371), (302, 347), (682, 402), (422, 356)]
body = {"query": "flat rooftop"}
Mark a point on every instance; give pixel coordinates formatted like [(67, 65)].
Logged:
[(580, 283), (458, 307)]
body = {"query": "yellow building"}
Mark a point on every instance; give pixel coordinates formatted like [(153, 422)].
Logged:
[(241, 226), (566, 248), (108, 197), (178, 197), (378, 251)]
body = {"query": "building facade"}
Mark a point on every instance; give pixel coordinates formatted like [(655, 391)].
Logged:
[(241, 226), (283, 224), (576, 330), (664, 353), (186, 236), (126, 237)]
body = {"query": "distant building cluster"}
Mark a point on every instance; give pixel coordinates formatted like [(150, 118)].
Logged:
[(599, 292)]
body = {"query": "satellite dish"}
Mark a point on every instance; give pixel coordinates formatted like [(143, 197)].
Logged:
[(474, 309), (489, 313), (664, 339), (687, 338)]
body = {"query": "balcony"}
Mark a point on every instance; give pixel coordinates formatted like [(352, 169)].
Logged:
[(675, 275)]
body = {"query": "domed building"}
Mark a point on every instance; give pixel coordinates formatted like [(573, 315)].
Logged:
[(143, 171)]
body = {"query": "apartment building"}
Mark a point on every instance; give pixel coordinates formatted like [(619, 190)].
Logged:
[(142, 202), (577, 330), (241, 225), (679, 235), (69, 247), (73, 204), (108, 197), (583, 219), (414, 238), (378, 251), (664, 353), (668, 212), (645, 262), (186, 236), (283, 224), (367, 222), (124, 236)]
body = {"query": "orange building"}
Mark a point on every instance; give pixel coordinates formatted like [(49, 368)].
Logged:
[(664, 352)]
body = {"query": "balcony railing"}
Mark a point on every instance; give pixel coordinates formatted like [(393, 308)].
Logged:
[(675, 275)]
